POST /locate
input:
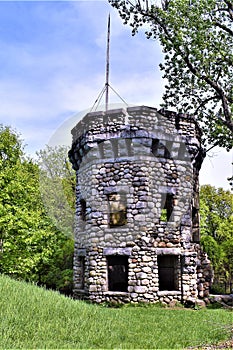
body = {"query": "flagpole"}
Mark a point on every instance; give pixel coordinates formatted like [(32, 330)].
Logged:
[(107, 66)]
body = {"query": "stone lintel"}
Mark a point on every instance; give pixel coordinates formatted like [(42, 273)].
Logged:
[(168, 251), (166, 189), (194, 254), (110, 190), (117, 251), (116, 189), (164, 293)]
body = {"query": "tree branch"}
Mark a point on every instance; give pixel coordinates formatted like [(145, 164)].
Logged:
[(185, 56), (223, 27), (228, 121), (203, 103)]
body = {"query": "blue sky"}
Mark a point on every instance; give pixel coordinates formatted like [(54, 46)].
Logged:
[(52, 59)]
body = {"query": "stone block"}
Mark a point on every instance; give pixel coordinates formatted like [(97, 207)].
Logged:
[(162, 244), (139, 217), (146, 239), (92, 273), (170, 245), (139, 289), (200, 303), (93, 288), (185, 287), (146, 258), (141, 275), (134, 295), (145, 282), (148, 296), (146, 269)]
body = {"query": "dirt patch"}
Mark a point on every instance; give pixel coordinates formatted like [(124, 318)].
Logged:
[(228, 344)]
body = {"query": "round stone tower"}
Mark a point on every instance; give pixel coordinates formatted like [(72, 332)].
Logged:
[(137, 207)]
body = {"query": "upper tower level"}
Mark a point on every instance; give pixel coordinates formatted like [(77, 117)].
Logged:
[(141, 122)]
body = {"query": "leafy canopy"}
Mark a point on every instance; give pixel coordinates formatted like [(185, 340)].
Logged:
[(216, 212), (197, 41), (57, 187), (31, 247)]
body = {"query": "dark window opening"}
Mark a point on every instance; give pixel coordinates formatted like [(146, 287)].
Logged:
[(159, 149), (154, 147), (82, 271), (83, 209), (167, 207), (117, 209), (177, 122), (167, 153), (117, 273), (168, 272), (195, 225)]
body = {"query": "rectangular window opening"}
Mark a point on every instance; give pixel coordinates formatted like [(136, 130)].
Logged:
[(117, 204), (167, 207), (83, 209), (168, 272), (117, 273)]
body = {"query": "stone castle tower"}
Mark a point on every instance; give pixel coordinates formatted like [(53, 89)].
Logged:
[(137, 207)]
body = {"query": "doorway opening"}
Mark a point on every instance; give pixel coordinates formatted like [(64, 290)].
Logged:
[(117, 273), (168, 272)]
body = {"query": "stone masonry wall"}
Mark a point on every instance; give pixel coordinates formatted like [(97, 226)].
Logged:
[(147, 159)]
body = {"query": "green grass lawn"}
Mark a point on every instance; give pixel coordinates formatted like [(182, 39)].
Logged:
[(32, 317)]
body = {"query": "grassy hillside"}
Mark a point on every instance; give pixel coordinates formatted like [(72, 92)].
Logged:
[(32, 317)]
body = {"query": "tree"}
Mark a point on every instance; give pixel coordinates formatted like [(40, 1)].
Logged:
[(216, 211), (197, 40), (31, 245), (57, 186)]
